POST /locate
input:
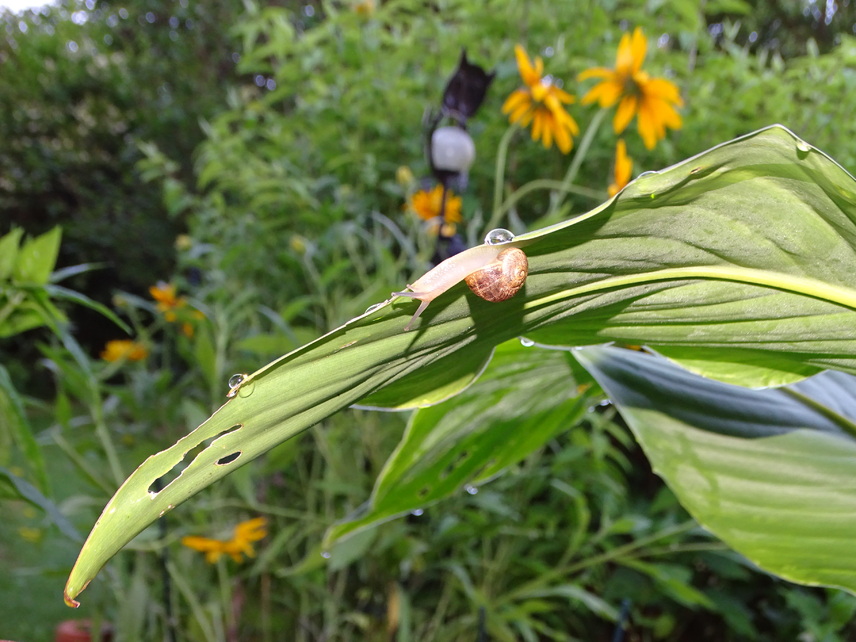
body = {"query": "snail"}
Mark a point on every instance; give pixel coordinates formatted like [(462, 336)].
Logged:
[(492, 272)]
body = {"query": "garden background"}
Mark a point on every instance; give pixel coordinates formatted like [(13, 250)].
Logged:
[(213, 185)]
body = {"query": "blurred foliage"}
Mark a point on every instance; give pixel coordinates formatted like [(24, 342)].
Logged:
[(307, 111), (81, 86)]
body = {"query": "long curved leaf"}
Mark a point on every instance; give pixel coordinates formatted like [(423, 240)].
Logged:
[(770, 472), (744, 250), (523, 399)]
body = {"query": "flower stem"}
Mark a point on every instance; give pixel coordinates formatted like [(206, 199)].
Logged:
[(499, 174), (579, 157), (537, 184)]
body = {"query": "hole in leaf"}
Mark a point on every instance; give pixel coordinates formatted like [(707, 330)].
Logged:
[(175, 472), (228, 459), (460, 459)]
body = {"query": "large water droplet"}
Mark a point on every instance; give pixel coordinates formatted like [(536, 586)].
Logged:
[(498, 237), (526, 342), (235, 382), (472, 490), (326, 554), (417, 512), (803, 146)]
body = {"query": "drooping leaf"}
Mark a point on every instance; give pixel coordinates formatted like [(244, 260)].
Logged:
[(523, 399), (770, 472), (744, 250)]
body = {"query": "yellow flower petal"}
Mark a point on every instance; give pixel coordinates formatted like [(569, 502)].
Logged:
[(623, 168), (531, 75), (638, 48), (119, 349), (606, 93), (595, 72), (563, 139), (427, 204), (664, 89), (537, 124), (518, 97), (624, 113), (646, 124)]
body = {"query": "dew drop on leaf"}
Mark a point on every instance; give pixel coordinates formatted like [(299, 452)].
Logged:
[(235, 382), (498, 237)]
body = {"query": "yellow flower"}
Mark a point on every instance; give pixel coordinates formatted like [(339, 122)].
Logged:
[(183, 242), (541, 103), (426, 204), (241, 543), (404, 176), (30, 534), (653, 100), (118, 349), (168, 302), (364, 7), (623, 168)]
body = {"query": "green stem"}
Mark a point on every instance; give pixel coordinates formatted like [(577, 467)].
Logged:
[(103, 433), (698, 547), (579, 157), (15, 298), (538, 184), (225, 595), (499, 172), (82, 463)]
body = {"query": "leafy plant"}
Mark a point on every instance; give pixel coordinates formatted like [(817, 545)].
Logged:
[(712, 262)]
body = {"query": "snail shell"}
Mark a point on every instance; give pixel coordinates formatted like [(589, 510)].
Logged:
[(501, 279)]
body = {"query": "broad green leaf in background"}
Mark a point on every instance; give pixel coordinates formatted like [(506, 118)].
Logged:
[(743, 253), (771, 472), (522, 400), (24, 274)]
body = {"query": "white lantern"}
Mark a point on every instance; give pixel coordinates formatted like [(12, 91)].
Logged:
[(452, 150)]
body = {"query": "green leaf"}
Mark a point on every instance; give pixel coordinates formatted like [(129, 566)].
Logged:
[(746, 249), (672, 580), (26, 491), (524, 398), (37, 258), (62, 293), (770, 472), (15, 420), (9, 252)]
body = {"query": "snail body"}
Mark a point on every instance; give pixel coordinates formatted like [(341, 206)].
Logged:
[(492, 272)]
